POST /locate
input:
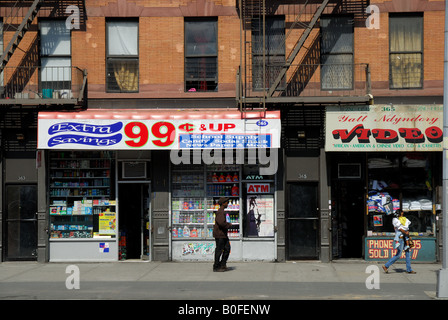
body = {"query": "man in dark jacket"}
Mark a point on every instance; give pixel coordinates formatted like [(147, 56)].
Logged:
[(220, 228)]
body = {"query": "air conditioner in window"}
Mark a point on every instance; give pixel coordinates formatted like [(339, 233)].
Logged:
[(133, 169), (65, 94), (349, 170)]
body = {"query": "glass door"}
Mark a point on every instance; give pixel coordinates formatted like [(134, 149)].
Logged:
[(21, 222), (302, 221)]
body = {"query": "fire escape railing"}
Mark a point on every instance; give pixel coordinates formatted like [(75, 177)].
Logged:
[(300, 77), (28, 83)]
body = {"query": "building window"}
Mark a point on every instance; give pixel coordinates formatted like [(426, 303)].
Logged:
[(274, 53), (122, 62), (55, 55), (337, 44), (406, 51), (201, 55)]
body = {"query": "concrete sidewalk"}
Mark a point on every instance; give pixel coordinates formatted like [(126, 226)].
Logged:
[(195, 280)]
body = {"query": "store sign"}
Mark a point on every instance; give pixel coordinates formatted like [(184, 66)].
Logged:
[(384, 128), (258, 188), (112, 134), (382, 249)]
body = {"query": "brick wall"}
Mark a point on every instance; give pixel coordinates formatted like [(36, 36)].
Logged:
[(161, 45)]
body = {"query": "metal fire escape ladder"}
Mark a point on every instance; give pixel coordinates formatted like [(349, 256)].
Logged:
[(297, 48), (20, 33)]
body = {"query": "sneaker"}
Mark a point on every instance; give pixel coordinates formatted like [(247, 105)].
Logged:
[(218, 270), (397, 244), (406, 248), (411, 272), (385, 269)]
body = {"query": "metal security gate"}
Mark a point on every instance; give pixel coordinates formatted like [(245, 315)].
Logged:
[(20, 222), (302, 221)]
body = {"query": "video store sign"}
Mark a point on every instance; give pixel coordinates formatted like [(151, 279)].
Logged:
[(384, 128)]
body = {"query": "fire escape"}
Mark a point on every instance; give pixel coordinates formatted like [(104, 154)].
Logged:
[(287, 68), (24, 80)]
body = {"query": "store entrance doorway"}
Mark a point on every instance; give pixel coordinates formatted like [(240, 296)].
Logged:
[(21, 222), (348, 223), (302, 221), (134, 207)]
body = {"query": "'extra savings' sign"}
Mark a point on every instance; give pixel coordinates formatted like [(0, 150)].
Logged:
[(110, 134)]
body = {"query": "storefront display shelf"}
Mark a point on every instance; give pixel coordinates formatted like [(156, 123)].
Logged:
[(195, 199), (80, 194), (401, 181)]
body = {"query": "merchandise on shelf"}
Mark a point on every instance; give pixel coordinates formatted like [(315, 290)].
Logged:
[(195, 199), (80, 187)]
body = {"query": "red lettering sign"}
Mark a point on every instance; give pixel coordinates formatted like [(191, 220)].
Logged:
[(410, 135), (258, 188)]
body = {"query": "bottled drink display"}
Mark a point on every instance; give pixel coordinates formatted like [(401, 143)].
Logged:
[(195, 193)]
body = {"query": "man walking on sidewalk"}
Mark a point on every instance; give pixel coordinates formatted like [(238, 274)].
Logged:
[(220, 228)]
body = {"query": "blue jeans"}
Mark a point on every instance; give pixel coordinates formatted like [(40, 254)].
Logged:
[(398, 255)]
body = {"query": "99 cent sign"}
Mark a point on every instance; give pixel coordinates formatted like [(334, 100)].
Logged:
[(149, 133)]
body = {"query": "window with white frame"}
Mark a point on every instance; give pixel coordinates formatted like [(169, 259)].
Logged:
[(55, 55), (122, 57)]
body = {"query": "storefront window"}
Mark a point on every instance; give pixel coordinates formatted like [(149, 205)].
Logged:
[(258, 203), (401, 181), (195, 191), (82, 197)]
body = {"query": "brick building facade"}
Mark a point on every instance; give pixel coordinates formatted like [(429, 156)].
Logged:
[(319, 61)]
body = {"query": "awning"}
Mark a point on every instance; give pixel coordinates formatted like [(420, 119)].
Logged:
[(158, 129)]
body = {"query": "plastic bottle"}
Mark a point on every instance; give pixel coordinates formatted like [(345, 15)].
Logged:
[(235, 177), (186, 232), (221, 178), (174, 233), (214, 177), (179, 232), (235, 191), (228, 178)]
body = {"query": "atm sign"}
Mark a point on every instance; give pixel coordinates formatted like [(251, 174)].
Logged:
[(258, 188)]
